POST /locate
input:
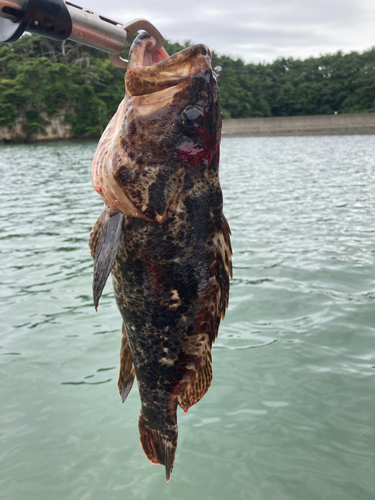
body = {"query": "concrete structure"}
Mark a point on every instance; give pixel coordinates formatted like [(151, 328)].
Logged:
[(56, 128), (359, 123)]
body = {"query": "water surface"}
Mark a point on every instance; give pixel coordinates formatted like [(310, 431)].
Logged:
[(290, 413)]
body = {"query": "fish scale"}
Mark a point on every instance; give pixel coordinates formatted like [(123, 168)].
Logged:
[(162, 235)]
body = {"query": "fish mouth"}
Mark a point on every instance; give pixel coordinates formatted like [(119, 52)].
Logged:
[(141, 53), (153, 71)]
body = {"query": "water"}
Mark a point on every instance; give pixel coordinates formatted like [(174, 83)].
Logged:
[(290, 413)]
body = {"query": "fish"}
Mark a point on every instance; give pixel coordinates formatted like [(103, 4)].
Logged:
[(162, 234)]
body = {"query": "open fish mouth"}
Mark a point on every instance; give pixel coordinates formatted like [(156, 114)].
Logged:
[(168, 121), (152, 71), (162, 234)]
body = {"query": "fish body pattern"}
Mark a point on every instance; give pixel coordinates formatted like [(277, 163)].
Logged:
[(162, 234)]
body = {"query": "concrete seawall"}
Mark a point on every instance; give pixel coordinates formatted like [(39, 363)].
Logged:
[(359, 123), (56, 128)]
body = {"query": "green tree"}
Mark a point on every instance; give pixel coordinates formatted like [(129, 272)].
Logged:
[(40, 77)]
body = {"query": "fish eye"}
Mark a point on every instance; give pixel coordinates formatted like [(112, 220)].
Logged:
[(191, 120)]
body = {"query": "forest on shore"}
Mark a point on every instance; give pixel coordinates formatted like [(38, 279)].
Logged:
[(39, 77)]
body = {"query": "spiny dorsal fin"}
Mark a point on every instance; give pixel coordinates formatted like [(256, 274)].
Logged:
[(104, 242), (199, 385), (228, 247), (127, 371), (225, 269)]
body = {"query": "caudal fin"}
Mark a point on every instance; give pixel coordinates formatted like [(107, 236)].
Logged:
[(159, 448)]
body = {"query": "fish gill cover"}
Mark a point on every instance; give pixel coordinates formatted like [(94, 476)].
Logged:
[(162, 234)]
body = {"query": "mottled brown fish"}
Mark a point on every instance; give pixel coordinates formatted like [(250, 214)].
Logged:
[(163, 234)]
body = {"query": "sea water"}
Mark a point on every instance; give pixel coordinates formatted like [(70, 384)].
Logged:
[(290, 414)]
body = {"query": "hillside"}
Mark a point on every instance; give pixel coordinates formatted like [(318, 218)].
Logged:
[(46, 84)]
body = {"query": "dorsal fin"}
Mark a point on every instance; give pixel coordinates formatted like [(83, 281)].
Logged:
[(198, 384), (197, 388), (225, 269), (228, 247), (127, 371), (104, 242)]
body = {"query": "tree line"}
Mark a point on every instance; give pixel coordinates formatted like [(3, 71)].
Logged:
[(39, 75)]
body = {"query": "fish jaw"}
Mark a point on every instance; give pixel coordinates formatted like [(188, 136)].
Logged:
[(150, 73), (147, 147), (157, 163)]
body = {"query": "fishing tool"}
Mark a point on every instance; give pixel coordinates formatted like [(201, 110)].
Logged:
[(60, 20)]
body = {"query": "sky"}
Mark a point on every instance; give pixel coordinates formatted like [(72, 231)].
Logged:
[(255, 30)]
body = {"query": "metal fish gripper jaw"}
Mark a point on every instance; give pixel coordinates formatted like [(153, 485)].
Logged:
[(61, 20)]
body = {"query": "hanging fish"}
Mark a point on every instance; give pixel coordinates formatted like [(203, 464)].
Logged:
[(162, 234)]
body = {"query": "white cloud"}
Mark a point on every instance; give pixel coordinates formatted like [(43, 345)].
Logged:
[(258, 30)]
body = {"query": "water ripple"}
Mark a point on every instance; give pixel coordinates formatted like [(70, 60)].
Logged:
[(290, 411)]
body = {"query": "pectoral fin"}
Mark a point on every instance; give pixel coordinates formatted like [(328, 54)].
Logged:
[(127, 371), (104, 242)]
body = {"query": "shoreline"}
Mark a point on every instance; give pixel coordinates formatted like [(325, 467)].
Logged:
[(359, 123)]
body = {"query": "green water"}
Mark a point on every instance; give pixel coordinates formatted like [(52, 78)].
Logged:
[(290, 414)]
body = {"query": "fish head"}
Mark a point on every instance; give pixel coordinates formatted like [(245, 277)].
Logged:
[(172, 103), (168, 123)]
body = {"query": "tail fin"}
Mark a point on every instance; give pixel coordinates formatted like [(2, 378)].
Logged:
[(159, 448)]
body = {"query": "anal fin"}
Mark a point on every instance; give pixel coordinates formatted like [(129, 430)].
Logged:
[(127, 371), (104, 242), (199, 385)]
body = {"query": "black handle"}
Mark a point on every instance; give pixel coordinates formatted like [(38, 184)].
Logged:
[(49, 18)]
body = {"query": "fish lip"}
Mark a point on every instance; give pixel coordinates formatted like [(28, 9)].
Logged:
[(145, 62), (141, 53)]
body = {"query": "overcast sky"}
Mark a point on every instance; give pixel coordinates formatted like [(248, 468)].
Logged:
[(255, 30)]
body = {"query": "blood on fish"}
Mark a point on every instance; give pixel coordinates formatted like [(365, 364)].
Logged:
[(192, 154), (159, 156)]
